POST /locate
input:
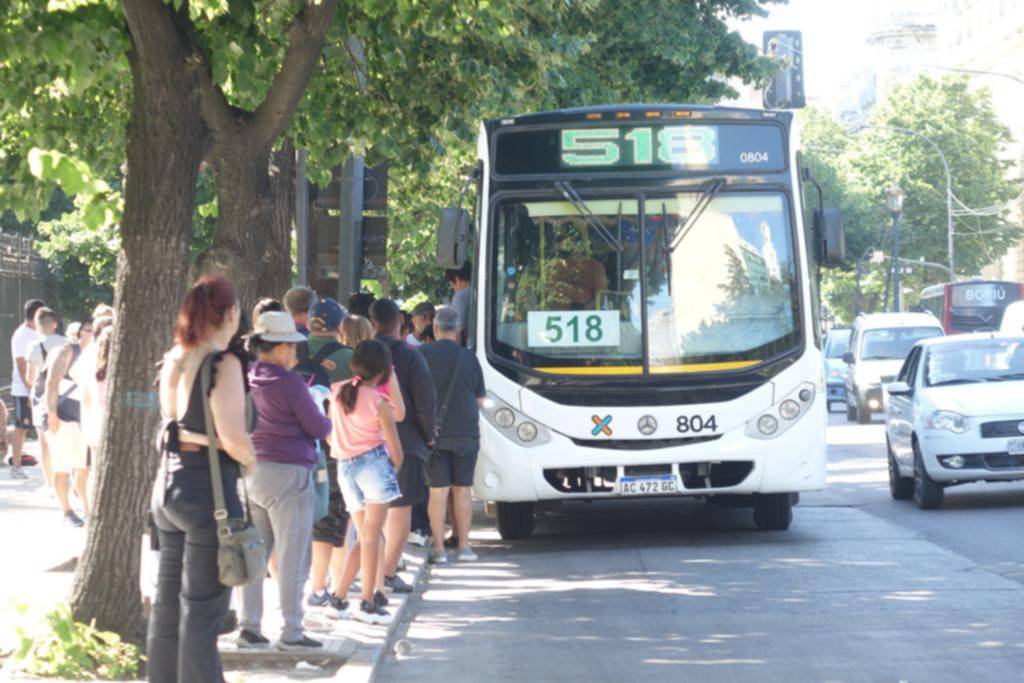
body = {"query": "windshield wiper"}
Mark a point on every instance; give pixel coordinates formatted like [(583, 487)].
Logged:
[(573, 197), (712, 188)]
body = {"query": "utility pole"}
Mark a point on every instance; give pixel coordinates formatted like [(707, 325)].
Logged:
[(895, 195)]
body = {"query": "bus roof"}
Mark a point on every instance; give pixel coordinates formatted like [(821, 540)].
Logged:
[(640, 112)]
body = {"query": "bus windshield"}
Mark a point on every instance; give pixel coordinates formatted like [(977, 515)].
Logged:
[(570, 298)]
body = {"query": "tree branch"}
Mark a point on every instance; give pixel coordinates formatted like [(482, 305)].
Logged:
[(305, 42)]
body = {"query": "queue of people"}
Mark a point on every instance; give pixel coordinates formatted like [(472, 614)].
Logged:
[(338, 426), (58, 387)]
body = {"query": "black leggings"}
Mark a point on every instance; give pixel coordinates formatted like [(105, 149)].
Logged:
[(190, 601)]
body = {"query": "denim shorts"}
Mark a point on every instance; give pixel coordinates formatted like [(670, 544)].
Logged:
[(368, 478)]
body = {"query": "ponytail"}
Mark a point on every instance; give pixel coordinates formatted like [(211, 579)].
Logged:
[(370, 360)]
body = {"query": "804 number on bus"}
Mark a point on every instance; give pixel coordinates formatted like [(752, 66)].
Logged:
[(696, 424)]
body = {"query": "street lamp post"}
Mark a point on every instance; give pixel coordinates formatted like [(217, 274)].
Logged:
[(895, 196), (949, 186)]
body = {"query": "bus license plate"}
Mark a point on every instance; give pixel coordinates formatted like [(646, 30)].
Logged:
[(648, 485), (1015, 446)]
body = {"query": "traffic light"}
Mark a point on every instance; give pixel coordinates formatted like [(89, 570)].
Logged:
[(786, 88)]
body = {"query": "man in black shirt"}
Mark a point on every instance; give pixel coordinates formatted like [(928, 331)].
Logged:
[(416, 432), (460, 382)]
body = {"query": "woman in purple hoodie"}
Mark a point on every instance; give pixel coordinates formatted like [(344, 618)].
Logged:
[(281, 483)]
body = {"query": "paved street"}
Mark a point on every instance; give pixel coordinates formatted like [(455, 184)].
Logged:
[(862, 588)]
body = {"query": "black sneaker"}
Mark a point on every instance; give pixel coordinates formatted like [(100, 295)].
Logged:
[(380, 600), (451, 542), (369, 613), (305, 643), (338, 608), (397, 584), (251, 640), (73, 520)]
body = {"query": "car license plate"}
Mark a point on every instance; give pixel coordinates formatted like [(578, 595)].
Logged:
[(648, 485), (1015, 446)]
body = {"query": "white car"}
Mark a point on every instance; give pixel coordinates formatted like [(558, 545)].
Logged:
[(956, 415)]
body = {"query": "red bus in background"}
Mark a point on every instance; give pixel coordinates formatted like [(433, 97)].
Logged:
[(971, 306)]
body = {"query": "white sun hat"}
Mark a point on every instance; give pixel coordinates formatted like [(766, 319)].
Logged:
[(277, 327)]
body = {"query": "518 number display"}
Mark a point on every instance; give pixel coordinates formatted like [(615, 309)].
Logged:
[(572, 328), (689, 146)]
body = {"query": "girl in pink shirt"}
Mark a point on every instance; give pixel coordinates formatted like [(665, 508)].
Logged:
[(365, 441)]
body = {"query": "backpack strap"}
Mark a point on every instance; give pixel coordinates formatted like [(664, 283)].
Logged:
[(442, 411), (320, 356)]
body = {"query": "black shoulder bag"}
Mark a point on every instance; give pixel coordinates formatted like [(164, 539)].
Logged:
[(241, 555), (442, 410)]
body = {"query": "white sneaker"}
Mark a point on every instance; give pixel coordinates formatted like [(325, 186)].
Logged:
[(17, 473), (467, 555), (416, 538), (368, 613)]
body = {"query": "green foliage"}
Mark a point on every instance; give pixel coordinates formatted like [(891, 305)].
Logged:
[(855, 170), (64, 648)]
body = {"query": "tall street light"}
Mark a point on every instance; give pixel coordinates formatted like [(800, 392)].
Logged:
[(895, 197), (949, 186)]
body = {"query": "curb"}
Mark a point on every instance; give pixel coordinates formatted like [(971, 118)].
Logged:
[(365, 664)]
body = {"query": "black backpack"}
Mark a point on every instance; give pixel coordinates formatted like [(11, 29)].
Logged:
[(312, 367)]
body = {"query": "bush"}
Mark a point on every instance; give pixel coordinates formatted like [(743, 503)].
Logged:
[(64, 648)]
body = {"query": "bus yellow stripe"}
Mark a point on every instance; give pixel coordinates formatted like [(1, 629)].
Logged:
[(655, 369)]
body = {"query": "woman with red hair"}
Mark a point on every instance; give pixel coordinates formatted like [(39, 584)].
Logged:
[(190, 601)]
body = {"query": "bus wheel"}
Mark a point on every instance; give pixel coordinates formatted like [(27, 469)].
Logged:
[(515, 520), (773, 511)]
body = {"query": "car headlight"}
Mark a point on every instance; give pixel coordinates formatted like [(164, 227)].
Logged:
[(947, 420), (512, 423)]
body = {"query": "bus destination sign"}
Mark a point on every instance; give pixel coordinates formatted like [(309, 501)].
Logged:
[(723, 147)]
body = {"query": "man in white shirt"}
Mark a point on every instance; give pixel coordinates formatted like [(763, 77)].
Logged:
[(21, 340), (42, 358)]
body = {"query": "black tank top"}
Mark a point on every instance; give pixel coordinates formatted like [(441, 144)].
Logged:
[(194, 419)]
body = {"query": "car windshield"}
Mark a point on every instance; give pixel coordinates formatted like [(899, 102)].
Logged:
[(837, 344), (893, 343), (992, 360), (571, 293)]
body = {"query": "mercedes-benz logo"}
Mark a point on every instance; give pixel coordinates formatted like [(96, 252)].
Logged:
[(1020, 427), (648, 425)]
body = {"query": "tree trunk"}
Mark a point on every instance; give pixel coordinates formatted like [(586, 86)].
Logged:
[(255, 207), (164, 146)]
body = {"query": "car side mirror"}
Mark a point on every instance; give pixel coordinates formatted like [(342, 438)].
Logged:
[(828, 227), (899, 389), (848, 357)]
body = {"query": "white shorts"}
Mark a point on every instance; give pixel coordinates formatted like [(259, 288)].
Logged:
[(68, 450)]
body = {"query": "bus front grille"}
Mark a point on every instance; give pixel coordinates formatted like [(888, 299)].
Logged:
[(643, 444)]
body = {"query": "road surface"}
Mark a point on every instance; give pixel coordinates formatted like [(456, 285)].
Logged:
[(861, 588)]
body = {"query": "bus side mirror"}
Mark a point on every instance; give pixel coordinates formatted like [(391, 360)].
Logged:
[(828, 227), (452, 237)]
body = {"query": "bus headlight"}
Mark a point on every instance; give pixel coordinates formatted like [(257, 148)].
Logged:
[(767, 425), (783, 414), (789, 409), (512, 423), (504, 417), (526, 431)]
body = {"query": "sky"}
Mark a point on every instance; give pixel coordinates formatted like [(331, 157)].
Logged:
[(834, 32)]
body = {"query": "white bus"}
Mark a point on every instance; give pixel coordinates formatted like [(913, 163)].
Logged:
[(644, 309)]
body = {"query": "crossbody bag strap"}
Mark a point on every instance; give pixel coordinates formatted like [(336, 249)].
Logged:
[(442, 411), (220, 508)]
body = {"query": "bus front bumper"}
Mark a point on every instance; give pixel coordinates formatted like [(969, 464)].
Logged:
[(733, 463)]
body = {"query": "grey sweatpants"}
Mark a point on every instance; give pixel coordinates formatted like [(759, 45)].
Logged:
[(281, 497)]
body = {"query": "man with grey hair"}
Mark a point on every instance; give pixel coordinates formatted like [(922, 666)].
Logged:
[(299, 301), (460, 389)]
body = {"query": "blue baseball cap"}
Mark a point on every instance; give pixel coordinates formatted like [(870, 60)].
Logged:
[(326, 315)]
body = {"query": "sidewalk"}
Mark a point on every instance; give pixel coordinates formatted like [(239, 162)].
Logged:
[(41, 552)]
